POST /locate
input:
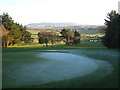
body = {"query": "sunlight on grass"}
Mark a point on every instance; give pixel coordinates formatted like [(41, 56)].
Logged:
[(36, 45)]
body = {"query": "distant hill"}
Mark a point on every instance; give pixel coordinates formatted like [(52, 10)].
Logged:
[(51, 24), (83, 29)]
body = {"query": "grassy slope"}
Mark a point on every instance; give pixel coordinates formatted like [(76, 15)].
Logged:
[(25, 55)]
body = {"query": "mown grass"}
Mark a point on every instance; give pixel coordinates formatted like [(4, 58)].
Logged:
[(90, 49)]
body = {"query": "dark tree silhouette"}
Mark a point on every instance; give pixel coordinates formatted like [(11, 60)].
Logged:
[(112, 32)]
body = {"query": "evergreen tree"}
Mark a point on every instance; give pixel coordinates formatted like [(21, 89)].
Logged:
[(112, 32), (17, 33), (7, 21)]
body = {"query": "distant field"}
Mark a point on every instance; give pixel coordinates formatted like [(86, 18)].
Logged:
[(80, 31), (34, 33), (89, 31)]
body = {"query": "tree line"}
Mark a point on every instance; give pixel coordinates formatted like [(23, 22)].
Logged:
[(12, 32)]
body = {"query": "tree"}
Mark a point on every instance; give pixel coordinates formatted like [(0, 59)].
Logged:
[(46, 40), (43, 37), (112, 32), (47, 36), (17, 33), (53, 37), (77, 34), (76, 38), (41, 40), (71, 36), (102, 29), (4, 36), (26, 36), (68, 34), (7, 21)]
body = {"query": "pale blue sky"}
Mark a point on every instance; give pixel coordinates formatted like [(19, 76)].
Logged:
[(77, 11)]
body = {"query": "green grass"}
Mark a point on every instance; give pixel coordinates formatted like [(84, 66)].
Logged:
[(12, 56)]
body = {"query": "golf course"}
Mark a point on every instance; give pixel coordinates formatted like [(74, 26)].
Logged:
[(60, 66), (60, 55)]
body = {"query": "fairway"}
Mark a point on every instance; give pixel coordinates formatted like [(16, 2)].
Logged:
[(41, 67)]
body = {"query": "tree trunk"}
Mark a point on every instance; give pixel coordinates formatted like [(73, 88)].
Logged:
[(46, 44), (67, 41), (5, 45), (52, 44)]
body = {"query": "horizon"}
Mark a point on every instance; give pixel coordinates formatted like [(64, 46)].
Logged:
[(64, 23), (82, 12)]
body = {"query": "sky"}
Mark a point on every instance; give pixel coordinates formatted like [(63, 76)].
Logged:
[(86, 12)]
